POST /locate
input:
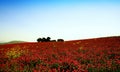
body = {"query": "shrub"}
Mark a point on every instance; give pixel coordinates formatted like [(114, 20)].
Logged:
[(60, 40), (39, 40)]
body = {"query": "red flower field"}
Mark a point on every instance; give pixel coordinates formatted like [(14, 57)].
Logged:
[(89, 55)]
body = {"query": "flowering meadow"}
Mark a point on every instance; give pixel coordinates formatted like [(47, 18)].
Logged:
[(90, 55)]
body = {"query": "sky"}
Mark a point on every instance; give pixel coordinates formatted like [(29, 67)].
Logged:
[(28, 20)]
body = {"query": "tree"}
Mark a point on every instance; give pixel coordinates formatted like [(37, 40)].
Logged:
[(48, 39), (43, 39), (39, 40)]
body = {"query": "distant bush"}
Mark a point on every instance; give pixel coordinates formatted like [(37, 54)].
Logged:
[(48, 39), (60, 40), (44, 39), (53, 40), (39, 40)]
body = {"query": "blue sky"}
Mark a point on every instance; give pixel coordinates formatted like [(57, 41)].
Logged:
[(68, 19)]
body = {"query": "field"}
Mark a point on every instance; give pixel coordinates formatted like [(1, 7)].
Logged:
[(89, 55)]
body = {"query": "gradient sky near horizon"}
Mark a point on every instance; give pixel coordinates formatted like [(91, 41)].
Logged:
[(68, 19)]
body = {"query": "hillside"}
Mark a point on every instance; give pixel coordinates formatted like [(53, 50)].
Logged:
[(12, 42), (87, 55)]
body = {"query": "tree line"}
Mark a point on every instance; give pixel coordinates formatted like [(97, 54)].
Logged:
[(48, 39)]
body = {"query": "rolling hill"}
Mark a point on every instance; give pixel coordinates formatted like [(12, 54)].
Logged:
[(13, 42)]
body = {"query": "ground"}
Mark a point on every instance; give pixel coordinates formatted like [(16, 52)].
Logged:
[(88, 55)]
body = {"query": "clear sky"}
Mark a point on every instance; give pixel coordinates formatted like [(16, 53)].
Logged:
[(68, 19)]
